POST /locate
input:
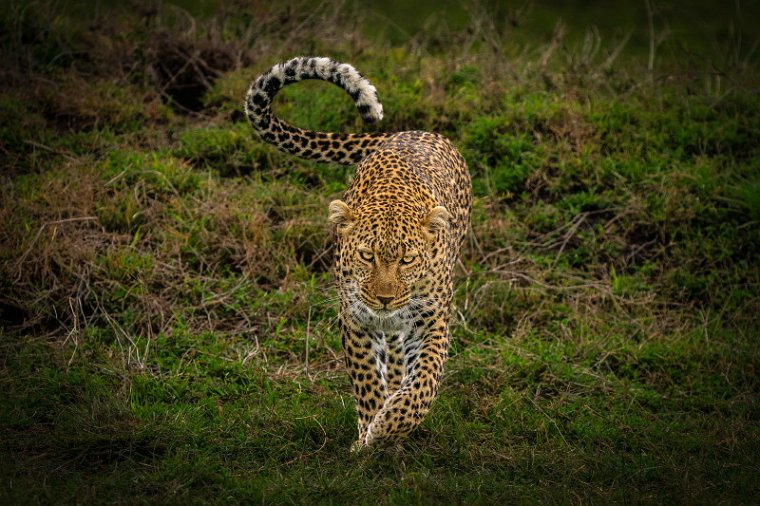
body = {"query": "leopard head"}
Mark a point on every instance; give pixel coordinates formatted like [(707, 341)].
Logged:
[(385, 248)]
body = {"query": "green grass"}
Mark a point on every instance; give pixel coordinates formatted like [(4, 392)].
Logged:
[(168, 326)]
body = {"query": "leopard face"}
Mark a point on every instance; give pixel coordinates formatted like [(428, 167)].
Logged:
[(383, 253)]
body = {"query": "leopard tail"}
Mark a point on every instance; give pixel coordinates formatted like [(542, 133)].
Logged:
[(320, 146)]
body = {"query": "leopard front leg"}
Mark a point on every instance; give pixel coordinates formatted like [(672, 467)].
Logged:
[(366, 368), (405, 409)]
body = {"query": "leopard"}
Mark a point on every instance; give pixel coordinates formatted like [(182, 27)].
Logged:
[(398, 231)]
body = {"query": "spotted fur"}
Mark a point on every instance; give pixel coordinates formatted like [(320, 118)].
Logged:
[(346, 149), (399, 229)]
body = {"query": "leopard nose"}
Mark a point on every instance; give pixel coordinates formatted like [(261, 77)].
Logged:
[(385, 300)]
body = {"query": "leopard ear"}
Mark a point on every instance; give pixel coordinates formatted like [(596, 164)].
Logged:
[(341, 215), (437, 219)]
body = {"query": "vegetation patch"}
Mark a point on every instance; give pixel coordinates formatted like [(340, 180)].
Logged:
[(168, 328)]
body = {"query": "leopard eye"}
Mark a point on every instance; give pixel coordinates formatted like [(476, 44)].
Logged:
[(367, 256), (407, 259)]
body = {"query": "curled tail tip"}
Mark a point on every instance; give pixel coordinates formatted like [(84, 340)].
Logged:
[(262, 91), (363, 93), (371, 112), (344, 75), (361, 90)]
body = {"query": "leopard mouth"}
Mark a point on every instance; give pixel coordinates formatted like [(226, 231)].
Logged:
[(374, 309), (386, 311), (379, 310)]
